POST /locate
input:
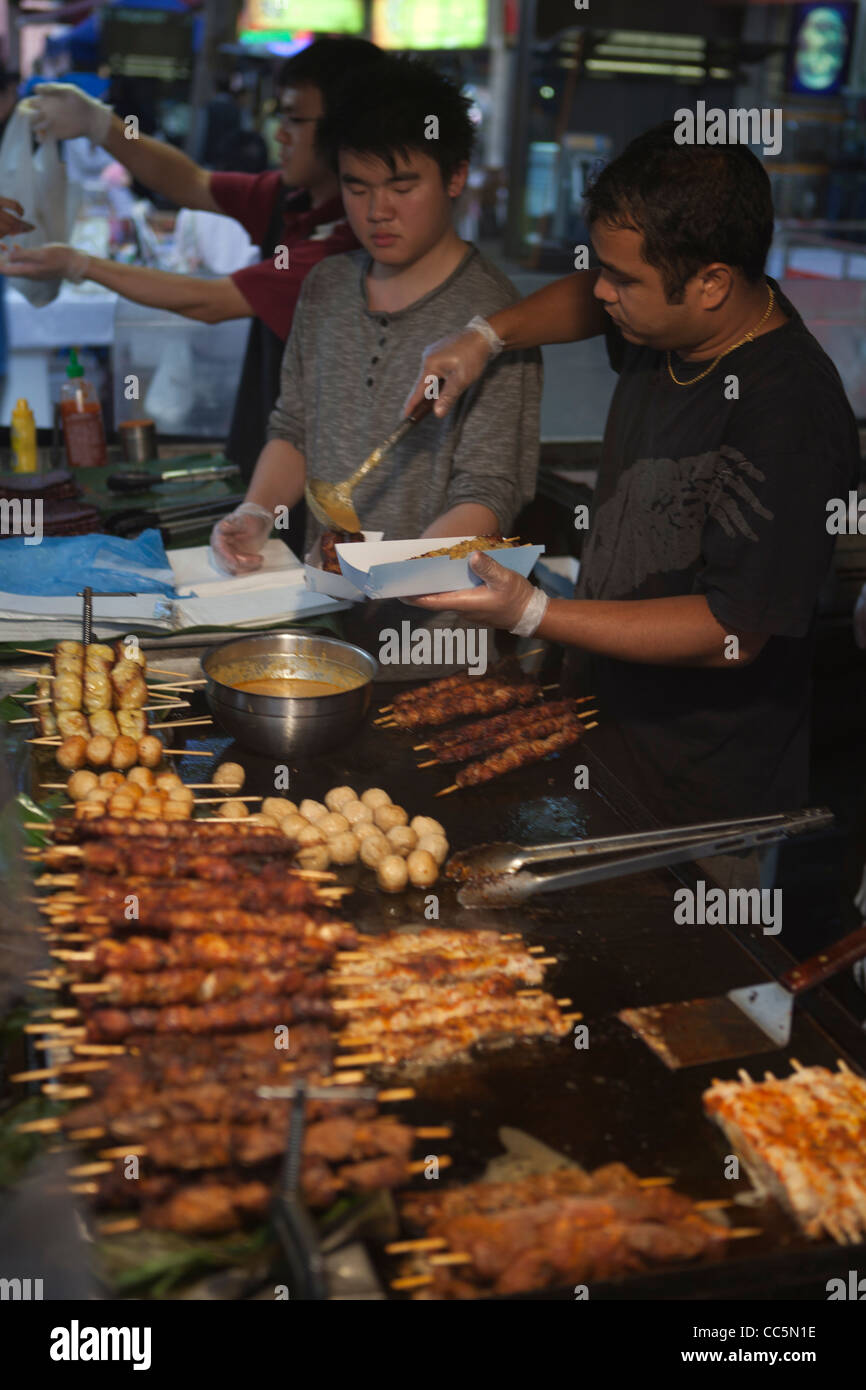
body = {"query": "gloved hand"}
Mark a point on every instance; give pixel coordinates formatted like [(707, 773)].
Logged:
[(504, 600), (238, 540), (53, 261), (458, 361), (61, 111)]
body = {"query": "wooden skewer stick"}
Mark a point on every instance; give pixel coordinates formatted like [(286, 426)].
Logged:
[(412, 1281), (406, 1247), (164, 671), (182, 723), (89, 1170), (185, 753), (121, 1226), (46, 1073), (419, 1165), (67, 1092), (451, 1258)]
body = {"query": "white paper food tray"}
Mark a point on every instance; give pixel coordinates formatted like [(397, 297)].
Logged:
[(392, 569), (323, 582)]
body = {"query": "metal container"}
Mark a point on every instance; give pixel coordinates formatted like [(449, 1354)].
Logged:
[(137, 440), (279, 725)]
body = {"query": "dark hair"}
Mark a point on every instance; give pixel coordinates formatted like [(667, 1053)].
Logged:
[(326, 64), (385, 110), (693, 204)]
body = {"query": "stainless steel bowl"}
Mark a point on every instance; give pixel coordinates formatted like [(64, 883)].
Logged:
[(280, 725)]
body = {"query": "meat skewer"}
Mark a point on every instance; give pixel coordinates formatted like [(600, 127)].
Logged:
[(131, 1114), (804, 1138), (128, 989), (159, 859), (476, 748), (504, 671), (316, 924), (171, 1061), (497, 996), (207, 949), (256, 838), (219, 1144), (454, 1038), (251, 1011), (511, 720), (519, 754), (484, 698), (119, 751)]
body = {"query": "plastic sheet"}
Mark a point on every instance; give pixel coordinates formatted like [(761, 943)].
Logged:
[(65, 564)]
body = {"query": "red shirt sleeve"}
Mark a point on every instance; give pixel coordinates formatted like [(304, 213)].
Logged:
[(272, 294), (248, 198)]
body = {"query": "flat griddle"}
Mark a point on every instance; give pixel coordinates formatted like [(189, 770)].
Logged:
[(618, 946)]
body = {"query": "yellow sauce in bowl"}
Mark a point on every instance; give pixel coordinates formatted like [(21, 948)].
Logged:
[(291, 687)]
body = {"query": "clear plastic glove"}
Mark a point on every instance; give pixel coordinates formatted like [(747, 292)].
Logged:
[(239, 539), (458, 361), (61, 111), (51, 262), (504, 600)]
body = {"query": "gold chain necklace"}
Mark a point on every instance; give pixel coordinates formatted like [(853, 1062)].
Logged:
[(747, 339)]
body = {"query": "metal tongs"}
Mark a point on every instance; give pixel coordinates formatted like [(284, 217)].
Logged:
[(495, 875)]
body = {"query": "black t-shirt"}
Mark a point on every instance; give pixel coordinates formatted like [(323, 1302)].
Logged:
[(699, 494)]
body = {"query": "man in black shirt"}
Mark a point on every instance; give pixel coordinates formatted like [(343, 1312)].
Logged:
[(728, 432)]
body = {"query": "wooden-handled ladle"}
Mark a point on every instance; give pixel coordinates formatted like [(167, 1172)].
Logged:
[(331, 503)]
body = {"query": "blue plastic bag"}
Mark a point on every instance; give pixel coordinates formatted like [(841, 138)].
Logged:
[(63, 565)]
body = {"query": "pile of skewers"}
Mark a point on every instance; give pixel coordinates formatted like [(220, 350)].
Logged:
[(425, 999), (518, 728), (91, 706), (188, 952), (145, 795), (556, 1229), (803, 1139), (170, 1030)]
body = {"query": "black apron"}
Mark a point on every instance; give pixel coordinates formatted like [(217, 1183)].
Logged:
[(258, 390)]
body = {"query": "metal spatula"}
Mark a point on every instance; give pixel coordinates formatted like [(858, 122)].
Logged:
[(331, 503), (756, 1018)]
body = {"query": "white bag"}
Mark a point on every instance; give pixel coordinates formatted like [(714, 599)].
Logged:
[(38, 181)]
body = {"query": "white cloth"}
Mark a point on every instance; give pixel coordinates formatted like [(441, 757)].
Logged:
[(211, 242)]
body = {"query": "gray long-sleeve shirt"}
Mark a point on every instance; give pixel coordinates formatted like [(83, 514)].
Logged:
[(347, 371)]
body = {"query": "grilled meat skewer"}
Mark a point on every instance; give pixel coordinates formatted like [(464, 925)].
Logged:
[(251, 1011), (482, 699), (207, 949)]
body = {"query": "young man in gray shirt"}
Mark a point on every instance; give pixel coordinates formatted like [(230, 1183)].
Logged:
[(402, 139)]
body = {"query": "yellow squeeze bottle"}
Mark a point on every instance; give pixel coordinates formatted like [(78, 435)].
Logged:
[(23, 439)]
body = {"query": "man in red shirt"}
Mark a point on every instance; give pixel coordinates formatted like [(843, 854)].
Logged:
[(294, 214)]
